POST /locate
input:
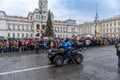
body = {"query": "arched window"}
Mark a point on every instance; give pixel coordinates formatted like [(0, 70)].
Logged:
[(37, 26), (26, 35), (18, 35), (13, 35), (43, 26), (8, 34), (61, 35), (22, 35)]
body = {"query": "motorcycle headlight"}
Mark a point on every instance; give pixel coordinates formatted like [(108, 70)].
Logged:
[(49, 51)]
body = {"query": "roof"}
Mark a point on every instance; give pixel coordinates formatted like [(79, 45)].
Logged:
[(18, 17)]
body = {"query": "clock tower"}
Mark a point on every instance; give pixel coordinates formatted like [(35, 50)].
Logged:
[(43, 6)]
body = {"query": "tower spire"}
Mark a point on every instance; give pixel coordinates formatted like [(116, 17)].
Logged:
[(96, 21), (96, 17)]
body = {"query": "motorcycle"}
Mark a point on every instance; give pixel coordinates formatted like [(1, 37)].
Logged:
[(58, 56)]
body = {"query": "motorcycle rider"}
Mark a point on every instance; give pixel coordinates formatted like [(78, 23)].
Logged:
[(67, 44)]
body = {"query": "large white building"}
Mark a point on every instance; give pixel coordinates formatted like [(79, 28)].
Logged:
[(25, 27), (105, 28)]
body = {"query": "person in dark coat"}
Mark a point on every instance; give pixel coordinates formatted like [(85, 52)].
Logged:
[(117, 45)]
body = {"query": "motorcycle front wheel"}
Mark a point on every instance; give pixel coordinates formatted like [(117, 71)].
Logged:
[(78, 58), (58, 60)]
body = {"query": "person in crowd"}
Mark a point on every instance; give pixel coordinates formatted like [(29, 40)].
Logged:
[(88, 42), (1, 46), (20, 45), (7, 46), (117, 45)]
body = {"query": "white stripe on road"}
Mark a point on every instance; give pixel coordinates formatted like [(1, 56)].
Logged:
[(24, 70), (35, 68)]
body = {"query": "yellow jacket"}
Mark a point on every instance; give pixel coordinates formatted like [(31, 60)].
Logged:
[(1, 45)]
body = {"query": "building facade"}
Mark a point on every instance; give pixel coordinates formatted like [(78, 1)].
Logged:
[(104, 28), (110, 27), (25, 27)]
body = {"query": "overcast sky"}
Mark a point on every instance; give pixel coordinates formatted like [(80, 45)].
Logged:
[(79, 10)]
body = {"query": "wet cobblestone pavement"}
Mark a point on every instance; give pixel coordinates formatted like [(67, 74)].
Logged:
[(99, 64)]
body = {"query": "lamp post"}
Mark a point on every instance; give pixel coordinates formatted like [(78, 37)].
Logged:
[(95, 28), (96, 20), (40, 7)]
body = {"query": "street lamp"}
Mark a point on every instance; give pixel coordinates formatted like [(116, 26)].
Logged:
[(40, 7), (96, 20)]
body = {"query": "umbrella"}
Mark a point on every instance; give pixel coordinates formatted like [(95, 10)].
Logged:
[(88, 36), (8, 37)]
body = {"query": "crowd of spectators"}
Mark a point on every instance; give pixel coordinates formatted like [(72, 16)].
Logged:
[(20, 45)]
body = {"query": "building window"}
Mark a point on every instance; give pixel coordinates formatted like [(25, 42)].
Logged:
[(100, 26), (66, 35), (114, 23), (8, 34), (18, 27), (107, 25), (31, 35), (27, 28), (114, 30), (107, 30), (110, 24), (37, 27), (26, 35), (110, 30), (31, 28), (118, 23), (13, 35), (56, 29), (31, 17), (103, 25), (103, 31), (18, 35), (22, 27), (43, 17), (55, 35), (22, 35), (61, 35), (39, 17), (64, 29), (73, 29), (60, 29), (36, 16), (13, 27), (9, 27)]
